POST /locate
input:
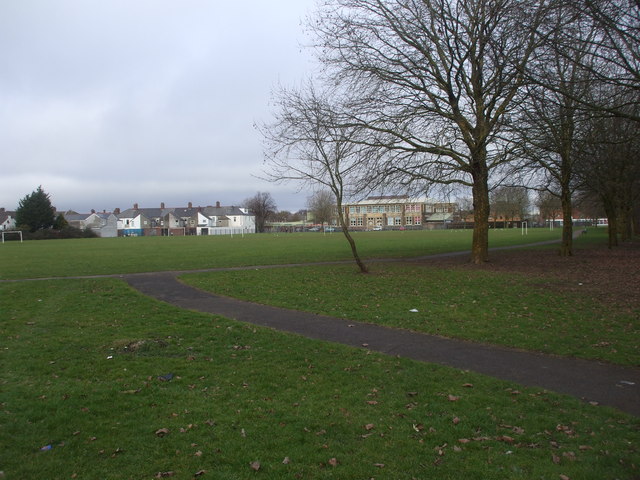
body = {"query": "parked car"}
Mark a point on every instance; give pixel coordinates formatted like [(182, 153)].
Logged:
[(377, 228), (329, 229)]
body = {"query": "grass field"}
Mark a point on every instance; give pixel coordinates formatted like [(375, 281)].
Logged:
[(506, 309), (144, 254), (101, 382)]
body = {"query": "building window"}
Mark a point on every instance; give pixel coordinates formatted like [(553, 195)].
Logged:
[(408, 221), (417, 221)]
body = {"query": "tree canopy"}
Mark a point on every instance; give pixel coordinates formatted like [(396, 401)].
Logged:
[(35, 211)]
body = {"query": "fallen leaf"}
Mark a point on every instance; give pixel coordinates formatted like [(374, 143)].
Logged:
[(255, 466), (369, 426), (467, 385), (286, 461), (564, 477), (453, 398), (199, 473), (162, 432), (555, 459), (198, 453), (333, 462), (464, 440), (456, 420), (165, 474), (379, 465), (505, 438)]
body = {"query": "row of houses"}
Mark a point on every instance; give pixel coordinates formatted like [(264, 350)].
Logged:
[(162, 221)]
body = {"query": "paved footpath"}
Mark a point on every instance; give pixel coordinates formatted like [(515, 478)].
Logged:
[(591, 381)]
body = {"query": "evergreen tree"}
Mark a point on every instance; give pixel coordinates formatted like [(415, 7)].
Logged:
[(35, 211)]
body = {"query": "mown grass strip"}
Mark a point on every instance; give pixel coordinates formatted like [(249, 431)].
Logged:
[(60, 258), (83, 362)]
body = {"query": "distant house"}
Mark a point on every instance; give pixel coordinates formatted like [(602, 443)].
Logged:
[(188, 220), (103, 224), (7, 220)]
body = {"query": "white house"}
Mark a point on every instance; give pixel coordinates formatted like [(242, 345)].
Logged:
[(103, 224), (7, 220)]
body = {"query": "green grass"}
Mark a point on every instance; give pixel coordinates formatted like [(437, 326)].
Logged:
[(498, 308), (81, 361), (60, 258)]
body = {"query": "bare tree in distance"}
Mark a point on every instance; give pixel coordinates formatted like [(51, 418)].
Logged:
[(432, 82), (510, 202), (322, 205), (549, 206), (307, 143), (263, 206)]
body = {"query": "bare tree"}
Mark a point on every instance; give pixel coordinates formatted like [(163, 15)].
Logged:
[(432, 83), (307, 143), (322, 205), (263, 206), (549, 205), (552, 121), (612, 49), (611, 170), (509, 202), (615, 56)]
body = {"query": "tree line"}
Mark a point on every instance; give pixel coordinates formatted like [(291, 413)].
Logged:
[(468, 95)]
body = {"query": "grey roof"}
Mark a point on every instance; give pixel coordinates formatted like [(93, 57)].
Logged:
[(183, 212), (71, 217)]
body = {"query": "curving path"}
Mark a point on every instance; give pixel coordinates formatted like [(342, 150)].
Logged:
[(591, 381)]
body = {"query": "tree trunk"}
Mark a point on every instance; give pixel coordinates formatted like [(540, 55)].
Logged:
[(612, 220), (481, 208), (566, 245), (345, 230)]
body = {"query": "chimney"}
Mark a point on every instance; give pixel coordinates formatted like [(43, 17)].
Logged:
[(93, 210), (135, 206), (217, 204), (116, 211), (190, 205), (161, 204)]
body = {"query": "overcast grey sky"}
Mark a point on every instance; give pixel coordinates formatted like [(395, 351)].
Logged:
[(110, 103)]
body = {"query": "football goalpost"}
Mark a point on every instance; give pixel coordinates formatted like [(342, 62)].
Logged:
[(4, 232)]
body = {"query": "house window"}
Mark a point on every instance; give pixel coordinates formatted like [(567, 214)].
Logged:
[(408, 221), (417, 220)]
